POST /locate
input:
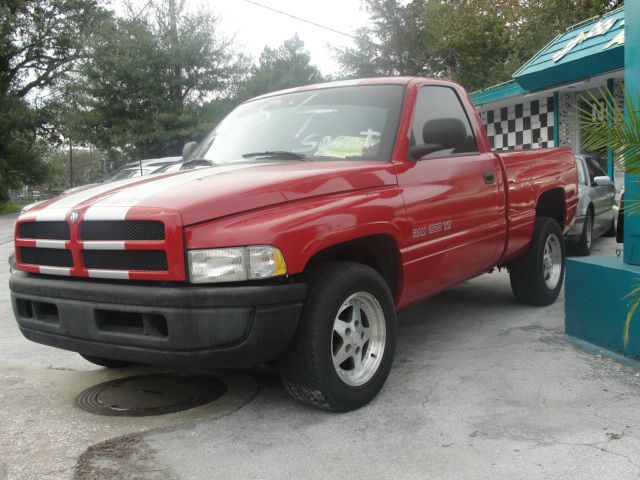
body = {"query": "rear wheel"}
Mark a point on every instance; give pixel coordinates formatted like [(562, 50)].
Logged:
[(345, 344), (584, 245), (612, 230), (106, 362), (537, 276)]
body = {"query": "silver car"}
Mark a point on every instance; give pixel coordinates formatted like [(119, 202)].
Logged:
[(595, 216)]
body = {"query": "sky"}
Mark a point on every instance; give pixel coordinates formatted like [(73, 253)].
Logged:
[(254, 27)]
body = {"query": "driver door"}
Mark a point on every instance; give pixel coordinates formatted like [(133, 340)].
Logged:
[(455, 203)]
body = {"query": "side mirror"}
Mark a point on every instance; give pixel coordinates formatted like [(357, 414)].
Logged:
[(439, 134), (188, 149), (603, 181)]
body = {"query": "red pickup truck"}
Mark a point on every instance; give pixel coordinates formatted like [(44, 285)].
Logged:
[(327, 209)]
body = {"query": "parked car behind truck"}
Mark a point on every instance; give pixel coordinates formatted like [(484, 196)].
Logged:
[(328, 208), (595, 216)]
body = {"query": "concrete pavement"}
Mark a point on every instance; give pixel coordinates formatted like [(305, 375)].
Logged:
[(481, 388)]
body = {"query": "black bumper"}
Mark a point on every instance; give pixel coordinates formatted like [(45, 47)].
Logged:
[(173, 326)]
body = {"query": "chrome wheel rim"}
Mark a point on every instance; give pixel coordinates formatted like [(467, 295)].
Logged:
[(358, 339), (589, 232), (552, 261)]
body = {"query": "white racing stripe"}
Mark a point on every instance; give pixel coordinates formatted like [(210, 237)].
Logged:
[(69, 201), (51, 214), (119, 274), (51, 244), (116, 206), (55, 270), (100, 245), (106, 213), (129, 197)]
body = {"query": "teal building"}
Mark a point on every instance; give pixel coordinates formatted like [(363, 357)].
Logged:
[(538, 107)]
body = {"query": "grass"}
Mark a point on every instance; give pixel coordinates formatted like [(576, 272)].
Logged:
[(10, 207)]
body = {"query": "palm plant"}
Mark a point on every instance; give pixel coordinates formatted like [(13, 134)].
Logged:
[(619, 130)]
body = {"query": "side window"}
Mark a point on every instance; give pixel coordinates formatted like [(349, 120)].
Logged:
[(438, 106), (595, 170)]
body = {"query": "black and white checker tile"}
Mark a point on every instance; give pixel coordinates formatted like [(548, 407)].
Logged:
[(521, 126)]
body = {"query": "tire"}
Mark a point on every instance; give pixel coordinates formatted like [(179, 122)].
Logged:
[(583, 247), (612, 230), (531, 282), (106, 362), (330, 332)]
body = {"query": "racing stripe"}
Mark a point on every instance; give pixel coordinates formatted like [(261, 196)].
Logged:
[(60, 244), (106, 213), (103, 245), (65, 271), (136, 193), (118, 274)]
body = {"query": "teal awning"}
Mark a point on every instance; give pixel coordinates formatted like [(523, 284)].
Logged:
[(587, 49), (499, 92)]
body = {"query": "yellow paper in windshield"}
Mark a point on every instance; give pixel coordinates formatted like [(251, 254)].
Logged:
[(344, 146)]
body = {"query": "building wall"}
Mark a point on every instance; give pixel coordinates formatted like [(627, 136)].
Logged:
[(568, 131), (524, 125)]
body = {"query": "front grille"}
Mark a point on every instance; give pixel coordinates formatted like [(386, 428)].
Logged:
[(52, 257), (122, 230), (45, 230), (153, 260)]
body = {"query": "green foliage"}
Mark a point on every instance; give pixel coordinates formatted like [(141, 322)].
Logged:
[(476, 43), (147, 78), (616, 128), (40, 40), (279, 68), (10, 207)]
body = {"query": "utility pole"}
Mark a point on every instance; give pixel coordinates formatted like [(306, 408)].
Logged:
[(70, 164)]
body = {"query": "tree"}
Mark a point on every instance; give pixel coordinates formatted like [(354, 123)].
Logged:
[(394, 43), (476, 43), (40, 41), (143, 88), (278, 68)]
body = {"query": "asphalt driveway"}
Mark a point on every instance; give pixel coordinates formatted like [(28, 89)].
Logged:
[(481, 388)]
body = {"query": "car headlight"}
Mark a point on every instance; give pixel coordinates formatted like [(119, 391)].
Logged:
[(236, 264)]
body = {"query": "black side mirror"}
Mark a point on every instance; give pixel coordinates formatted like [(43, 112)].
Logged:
[(188, 149), (439, 134)]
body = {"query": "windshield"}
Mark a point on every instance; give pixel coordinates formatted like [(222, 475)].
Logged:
[(350, 123)]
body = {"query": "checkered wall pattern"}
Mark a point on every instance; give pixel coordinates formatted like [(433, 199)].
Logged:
[(524, 125)]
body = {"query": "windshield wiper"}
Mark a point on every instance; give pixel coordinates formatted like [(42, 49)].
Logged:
[(281, 154)]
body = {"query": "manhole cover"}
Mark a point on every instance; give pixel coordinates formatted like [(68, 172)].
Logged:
[(150, 394)]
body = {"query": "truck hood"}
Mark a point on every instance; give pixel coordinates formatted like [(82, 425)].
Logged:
[(207, 194)]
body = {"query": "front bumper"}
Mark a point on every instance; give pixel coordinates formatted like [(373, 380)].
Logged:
[(173, 326)]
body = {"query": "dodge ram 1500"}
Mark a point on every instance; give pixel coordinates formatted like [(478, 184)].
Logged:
[(326, 210)]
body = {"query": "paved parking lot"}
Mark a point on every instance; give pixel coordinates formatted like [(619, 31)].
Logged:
[(481, 388)]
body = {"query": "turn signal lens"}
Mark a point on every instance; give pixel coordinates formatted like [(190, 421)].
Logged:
[(265, 262)]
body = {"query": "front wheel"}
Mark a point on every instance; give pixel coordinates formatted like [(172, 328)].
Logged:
[(345, 344), (537, 276)]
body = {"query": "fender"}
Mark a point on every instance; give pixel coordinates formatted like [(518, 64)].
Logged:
[(301, 229)]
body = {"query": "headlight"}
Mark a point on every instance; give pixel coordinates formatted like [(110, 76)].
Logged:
[(236, 264)]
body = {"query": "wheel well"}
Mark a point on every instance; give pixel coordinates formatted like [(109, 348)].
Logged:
[(552, 204), (380, 252)]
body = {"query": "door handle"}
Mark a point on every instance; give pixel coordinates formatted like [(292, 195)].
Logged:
[(489, 177)]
